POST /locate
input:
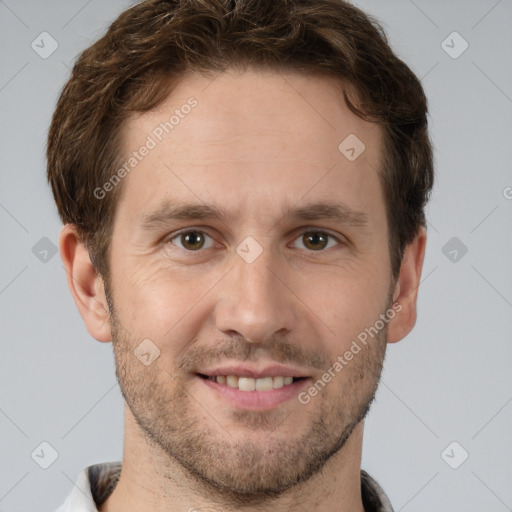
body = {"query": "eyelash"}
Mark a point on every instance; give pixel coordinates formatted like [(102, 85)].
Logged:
[(302, 233)]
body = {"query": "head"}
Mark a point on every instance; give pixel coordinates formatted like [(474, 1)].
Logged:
[(248, 112)]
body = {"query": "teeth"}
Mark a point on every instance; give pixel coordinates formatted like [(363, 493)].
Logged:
[(246, 384), (278, 382), (250, 384), (264, 384), (232, 381)]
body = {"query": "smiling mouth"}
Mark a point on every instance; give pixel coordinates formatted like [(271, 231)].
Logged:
[(252, 384)]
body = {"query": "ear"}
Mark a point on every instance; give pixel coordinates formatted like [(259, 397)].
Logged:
[(85, 284), (406, 288)]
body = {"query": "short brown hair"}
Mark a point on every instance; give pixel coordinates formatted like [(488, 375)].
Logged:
[(129, 70)]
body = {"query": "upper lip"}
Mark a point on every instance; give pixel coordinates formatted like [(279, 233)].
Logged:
[(256, 372)]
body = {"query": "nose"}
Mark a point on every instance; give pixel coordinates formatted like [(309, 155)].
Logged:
[(255, 300)]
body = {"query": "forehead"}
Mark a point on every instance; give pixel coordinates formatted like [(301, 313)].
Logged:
[(253, 140)]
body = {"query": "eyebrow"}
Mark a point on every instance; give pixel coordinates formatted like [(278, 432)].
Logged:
[(325, 210)]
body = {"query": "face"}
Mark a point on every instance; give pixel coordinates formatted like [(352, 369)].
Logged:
[(249, 251)]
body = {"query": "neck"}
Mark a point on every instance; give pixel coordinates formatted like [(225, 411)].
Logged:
[(151, 480)]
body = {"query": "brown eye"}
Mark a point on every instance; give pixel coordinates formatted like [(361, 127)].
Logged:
[(317, 240), (191, 240)]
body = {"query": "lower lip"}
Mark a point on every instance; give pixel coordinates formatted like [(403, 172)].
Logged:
[(256, 400)]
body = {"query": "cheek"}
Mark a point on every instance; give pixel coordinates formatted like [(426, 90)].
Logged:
[(346, 304), (163, 304)]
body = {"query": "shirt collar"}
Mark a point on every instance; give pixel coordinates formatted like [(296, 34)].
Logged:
[(95, 484)]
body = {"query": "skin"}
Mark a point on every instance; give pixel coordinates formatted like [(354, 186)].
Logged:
[(257, 144)]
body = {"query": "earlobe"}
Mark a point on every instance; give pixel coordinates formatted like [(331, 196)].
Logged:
[(85, 284), (406, 288)]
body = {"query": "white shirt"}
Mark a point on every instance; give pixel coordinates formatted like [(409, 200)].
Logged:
[(96, 483)]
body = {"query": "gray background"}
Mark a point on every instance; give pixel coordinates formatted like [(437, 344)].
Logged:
[(449, 380)]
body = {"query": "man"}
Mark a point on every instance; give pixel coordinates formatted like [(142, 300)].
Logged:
[(242, 185)]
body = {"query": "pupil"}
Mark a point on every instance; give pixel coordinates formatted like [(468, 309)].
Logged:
[(315, 238), (192, 240)]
